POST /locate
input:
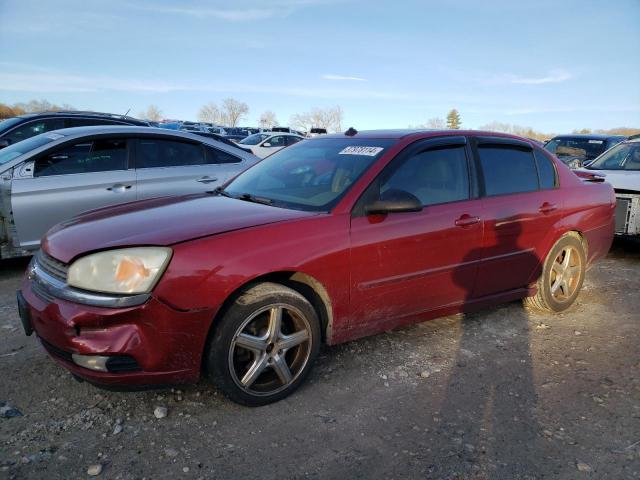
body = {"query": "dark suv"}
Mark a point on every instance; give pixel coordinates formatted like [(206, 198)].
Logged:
[(16, 129), (579, 150)]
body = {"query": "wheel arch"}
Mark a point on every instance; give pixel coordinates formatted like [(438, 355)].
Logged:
[(306, 285)]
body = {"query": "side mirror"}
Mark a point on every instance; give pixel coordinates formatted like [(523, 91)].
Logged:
[(266, 144), (4, 143), (394, 201)]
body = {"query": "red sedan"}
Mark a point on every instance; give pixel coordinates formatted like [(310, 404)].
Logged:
[(329, 240)]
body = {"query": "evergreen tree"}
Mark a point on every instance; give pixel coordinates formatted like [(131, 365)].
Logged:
[(453, 120)]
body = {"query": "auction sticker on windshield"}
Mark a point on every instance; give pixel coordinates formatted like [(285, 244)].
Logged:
[(366, 151)]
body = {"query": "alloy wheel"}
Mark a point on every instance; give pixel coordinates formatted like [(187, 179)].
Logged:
[(565, 274), (270, 349)]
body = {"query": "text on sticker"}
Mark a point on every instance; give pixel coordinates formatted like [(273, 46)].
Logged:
[(367, 151)]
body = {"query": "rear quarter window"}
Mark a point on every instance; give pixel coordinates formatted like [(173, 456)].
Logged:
[(546, 171)]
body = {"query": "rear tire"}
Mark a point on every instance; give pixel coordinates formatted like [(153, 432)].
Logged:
[(264, 345), (562, 276)]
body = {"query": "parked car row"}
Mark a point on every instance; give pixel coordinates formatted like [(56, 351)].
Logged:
[(53, 176), (329, 240)]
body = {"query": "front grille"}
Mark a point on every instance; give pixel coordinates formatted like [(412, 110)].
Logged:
[(623, 208), (53, 267)]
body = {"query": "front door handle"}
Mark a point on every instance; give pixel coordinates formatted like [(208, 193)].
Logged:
[(207, 179), (547, 207), (467, 220), (118, 187)]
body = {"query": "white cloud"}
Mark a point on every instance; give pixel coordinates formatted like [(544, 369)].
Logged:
[(328, 76), (555, 76), (250, 10), (28, 78)]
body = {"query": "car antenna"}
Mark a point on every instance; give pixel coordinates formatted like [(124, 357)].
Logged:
[(127, 112), (351, 132)]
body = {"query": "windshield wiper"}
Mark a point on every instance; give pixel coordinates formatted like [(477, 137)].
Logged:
[(252, 198)]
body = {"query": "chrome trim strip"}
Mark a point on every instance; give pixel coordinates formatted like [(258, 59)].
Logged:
[(58, 289)]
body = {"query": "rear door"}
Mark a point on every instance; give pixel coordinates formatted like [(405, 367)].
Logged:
[(410, 263), (521, 205), (167, 167), (71, 179)]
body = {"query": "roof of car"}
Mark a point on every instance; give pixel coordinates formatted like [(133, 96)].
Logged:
[(81, 113), (407, 132), (129, 129)]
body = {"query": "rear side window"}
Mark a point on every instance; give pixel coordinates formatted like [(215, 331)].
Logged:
[(507, 170), (433, 176), (32, 128), (85, 157), (292, 140), (218, 156), (157, 153), (546, 171)]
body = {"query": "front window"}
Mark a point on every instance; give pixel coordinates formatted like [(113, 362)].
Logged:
[(13, 151), (624, 156), (254, 139), (85, 157), (584, 148), (310, 176)]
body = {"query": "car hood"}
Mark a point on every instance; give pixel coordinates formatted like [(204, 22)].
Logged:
[(619, 179), (160, 221)]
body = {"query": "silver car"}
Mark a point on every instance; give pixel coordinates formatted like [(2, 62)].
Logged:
[(53, 176)]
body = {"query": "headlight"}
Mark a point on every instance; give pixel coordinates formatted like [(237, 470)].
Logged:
[(126, 270)]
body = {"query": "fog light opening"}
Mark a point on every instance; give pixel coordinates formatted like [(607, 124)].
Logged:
[(92, 362)]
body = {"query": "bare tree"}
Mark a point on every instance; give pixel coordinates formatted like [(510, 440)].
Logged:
[(435, 122), (210, 113), (153, 114), (329, 118), (233, 111), (268, 119)]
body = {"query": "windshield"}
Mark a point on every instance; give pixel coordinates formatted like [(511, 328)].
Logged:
[(20, 148), (312, 175), (624, 156), (253, 139), (584, 148), (8, 123)]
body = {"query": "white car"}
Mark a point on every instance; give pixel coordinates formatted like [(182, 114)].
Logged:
[(620, 166), (265, 143)]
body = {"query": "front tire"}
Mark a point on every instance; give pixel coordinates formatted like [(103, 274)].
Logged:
[(562, 276), (264, 345)]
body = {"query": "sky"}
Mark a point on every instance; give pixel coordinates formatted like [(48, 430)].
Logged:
[(554, 65)]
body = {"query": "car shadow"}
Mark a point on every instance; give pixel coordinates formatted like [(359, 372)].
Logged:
[(490, 399)]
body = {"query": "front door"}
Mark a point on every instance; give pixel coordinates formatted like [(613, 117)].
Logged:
[(74, 178), (410, 263)]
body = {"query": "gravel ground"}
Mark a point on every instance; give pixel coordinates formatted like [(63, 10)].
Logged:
[(502, 394)]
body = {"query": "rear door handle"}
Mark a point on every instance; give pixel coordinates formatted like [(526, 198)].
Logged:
[(547, 207), (207, 179), (118, 187), (467, 220)]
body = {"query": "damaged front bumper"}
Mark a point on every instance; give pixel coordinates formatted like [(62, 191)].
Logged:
[(147, 343)]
